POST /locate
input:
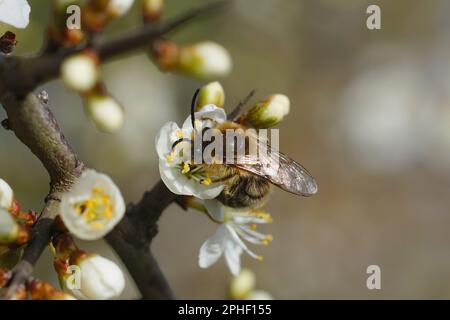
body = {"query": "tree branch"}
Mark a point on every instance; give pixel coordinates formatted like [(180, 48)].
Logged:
[(22, 75), (132, 237)]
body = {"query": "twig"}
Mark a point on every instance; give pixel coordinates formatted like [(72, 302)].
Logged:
[(237, 110), (132, 237), (22, 75)]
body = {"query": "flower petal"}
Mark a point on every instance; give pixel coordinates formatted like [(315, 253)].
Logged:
[(215, 209), (163, 142), (207, 192), (233, 257), (173, 179), (15, 13), (213, 248), (208, 111)]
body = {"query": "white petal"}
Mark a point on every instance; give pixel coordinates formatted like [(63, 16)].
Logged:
[(163, 142), (101, 278), (6, 195), (215, 209), (207, 192), (15, 13), (208, 111), (213, 248), (239, 242), (173, 179), (233, 257)]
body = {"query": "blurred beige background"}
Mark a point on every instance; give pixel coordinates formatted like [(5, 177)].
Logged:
[(370, 118)]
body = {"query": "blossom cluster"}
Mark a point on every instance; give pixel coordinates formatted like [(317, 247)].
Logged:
[(183, 176)]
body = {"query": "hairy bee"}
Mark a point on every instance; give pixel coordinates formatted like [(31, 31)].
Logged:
[(247, 182)]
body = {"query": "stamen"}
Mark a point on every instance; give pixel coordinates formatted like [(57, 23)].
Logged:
[(179, 134), (206, 181), (95, 209), (169, 158), (186, 168)]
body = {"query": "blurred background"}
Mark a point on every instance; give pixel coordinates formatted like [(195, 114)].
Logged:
[(370, 119)]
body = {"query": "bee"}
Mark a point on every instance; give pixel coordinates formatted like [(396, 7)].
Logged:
[(247, 181)]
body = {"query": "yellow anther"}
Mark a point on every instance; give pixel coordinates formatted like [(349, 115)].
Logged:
[(265, 242), (179, 134), (269, 237), (186, 168), (95, 209), (253, 226), (169, 158), (206, 181), (97, 226), (260, 258)]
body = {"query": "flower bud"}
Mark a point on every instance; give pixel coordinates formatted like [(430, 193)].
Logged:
[(100, 279), (268, 112), (42, 290), (9, 229), (259, 295), (80, 72), (93, 207), (105, 112), (242, 285), (204, 60), (6, 195), (212, 93), (118, 8), (153, 10)]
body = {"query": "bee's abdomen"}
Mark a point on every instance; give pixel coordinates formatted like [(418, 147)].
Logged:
[(242, 191)]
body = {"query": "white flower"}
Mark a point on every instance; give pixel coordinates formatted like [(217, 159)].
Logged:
[(80, 72), (100, 279), (212, 93), (119, 7), (269, 112), (205, 60), (173, 146), (227, 239), (105, 112), (6, 195), (15, 13), (9, 229), (93, 207), (242, 284), (259, 295)]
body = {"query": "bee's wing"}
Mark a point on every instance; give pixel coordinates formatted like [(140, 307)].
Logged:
[(280, 170)]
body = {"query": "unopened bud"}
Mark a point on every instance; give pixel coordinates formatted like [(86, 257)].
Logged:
[(6, 195), (9, 229), (203, 60), (80, 72), (212, 93), (242, 285), (259, 295), (100, 279), (268, 112), (105, 112), (153, 10), (118, 8)]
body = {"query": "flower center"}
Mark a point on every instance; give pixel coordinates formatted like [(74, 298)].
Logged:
[(96, 209)]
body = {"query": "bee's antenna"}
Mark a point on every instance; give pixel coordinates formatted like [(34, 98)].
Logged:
[(237, 110), (194, 100)]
